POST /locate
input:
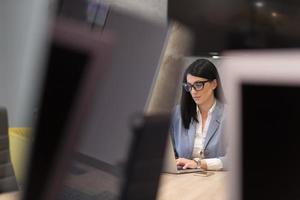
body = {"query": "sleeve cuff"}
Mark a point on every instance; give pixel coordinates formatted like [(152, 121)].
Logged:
[(214, 163)]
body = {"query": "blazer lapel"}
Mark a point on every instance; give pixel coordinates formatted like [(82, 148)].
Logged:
[(191, 135), (214, 123)]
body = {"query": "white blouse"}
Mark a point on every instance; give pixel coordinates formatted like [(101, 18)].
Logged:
[(201, 132)]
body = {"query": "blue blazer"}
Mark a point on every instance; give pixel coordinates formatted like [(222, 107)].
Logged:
[(215, 143)]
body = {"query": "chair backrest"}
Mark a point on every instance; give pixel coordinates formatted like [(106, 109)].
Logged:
[(8, 181), (20, 140)]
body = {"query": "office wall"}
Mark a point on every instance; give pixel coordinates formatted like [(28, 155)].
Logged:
[(22, 25), (124, 88)]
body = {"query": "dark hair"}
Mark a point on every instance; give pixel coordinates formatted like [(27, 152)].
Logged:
[(205, 69)]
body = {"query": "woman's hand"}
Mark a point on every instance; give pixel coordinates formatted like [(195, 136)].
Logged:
[(186, 163)]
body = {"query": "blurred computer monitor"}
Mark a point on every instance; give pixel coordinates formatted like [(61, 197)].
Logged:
[(126, 87), (76, 61), (89, 150), (101, 159), (263, 91)]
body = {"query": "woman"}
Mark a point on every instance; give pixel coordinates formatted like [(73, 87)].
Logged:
[(198, 123)]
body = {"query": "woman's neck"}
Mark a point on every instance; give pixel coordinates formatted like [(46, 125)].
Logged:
[(204, 108)]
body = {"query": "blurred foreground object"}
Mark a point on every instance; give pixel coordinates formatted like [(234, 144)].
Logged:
[(263, 91)]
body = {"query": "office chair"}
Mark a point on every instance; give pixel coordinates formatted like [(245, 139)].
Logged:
[(7, 177), (20, 140)]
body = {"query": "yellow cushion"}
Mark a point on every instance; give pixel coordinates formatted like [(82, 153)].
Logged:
[(19, 143)]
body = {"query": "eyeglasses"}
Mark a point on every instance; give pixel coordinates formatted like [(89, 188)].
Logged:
[(199, 85)]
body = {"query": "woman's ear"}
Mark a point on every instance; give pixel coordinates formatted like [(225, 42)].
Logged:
[(214, 84)]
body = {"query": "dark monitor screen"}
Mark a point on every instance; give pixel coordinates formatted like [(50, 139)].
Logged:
[(270, 141), (66, 66)]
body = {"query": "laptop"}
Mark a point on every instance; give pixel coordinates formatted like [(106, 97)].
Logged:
[(170, 161)]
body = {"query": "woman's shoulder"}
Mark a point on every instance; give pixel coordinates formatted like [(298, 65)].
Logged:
[(176, 112), (221, 109), (177, 109)]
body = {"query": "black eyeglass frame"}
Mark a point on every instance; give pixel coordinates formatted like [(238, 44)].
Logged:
[(188, 87)]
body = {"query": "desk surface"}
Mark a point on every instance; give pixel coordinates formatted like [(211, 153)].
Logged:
[(193, 186), (181, 186), (10, 196)]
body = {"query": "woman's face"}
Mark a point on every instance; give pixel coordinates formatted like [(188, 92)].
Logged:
[(206, 94)]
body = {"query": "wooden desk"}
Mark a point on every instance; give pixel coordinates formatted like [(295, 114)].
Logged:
[(182, 186), (193, 186)]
